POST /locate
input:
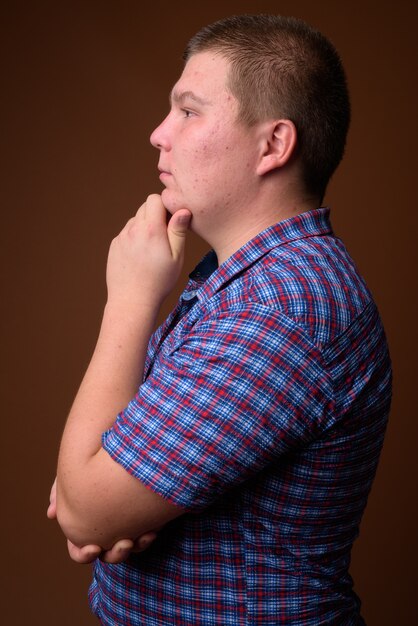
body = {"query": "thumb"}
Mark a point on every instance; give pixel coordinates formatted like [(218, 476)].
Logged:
[(176, 231)]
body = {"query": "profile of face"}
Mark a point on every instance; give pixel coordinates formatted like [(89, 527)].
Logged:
[(207, 157)]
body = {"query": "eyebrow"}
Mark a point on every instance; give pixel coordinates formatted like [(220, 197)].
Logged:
[(179, 97)]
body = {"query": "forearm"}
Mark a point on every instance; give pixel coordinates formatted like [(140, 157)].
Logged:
[(112, 378), (111, 381)]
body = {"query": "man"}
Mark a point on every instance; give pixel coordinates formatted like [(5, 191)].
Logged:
[(247, 429)]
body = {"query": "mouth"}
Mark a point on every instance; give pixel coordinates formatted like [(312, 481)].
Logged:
[(164, 176)]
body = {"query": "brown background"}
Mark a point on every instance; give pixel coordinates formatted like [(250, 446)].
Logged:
[(83, 86)]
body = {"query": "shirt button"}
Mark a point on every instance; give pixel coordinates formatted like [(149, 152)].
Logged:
[(189, 295)]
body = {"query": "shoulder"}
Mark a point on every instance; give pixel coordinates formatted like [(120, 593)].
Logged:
[(313, 282)]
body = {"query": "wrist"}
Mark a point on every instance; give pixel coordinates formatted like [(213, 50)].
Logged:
[(130, 312), (126, 329)]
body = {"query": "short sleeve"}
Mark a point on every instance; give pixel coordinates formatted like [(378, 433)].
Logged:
[(240, 389)]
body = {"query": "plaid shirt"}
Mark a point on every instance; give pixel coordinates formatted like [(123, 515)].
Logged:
[(262, 412)]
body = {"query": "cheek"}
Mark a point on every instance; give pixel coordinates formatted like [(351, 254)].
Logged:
[(207, 158), (208, 145), (201, 164)]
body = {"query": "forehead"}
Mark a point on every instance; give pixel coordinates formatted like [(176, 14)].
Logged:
[(205, 75)]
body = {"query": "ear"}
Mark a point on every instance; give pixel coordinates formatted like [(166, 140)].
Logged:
[(279, 144)]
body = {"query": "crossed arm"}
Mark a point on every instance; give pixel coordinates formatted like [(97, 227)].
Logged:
[(99, 506), (118, 553)]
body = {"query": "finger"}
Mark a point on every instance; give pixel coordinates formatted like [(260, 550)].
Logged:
[(153, 210), (143, 542), (118, 553), (83, 555), (177, 230)]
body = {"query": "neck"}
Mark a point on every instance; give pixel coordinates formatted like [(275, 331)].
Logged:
[(239, 228)]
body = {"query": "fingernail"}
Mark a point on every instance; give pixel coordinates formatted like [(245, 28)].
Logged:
[(184, 219)]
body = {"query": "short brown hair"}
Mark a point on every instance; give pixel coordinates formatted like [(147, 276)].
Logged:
[(282, 67)]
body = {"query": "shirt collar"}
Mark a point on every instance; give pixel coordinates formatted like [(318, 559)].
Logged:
[(212, 277)]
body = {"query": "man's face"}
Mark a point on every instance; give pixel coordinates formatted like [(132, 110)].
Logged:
[(206, 157)]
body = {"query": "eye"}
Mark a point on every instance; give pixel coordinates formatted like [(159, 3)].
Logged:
[(187, 113)]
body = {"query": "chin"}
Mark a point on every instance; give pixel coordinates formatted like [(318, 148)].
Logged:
[(168, 201), (171, 203)]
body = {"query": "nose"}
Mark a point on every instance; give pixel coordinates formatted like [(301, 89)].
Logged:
[(160, 137)]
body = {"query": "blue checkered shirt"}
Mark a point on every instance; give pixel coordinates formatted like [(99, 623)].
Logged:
[(262, 413)]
